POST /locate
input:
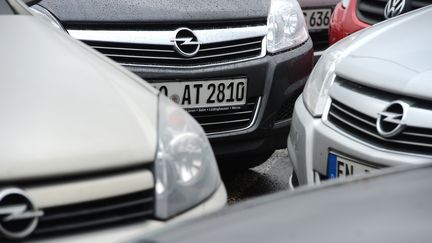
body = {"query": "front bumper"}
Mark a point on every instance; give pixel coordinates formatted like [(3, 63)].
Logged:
[(310, 141), (132, 231), (277, 79)]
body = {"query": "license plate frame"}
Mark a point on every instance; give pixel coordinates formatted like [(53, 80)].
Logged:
[(205, 93), (341, 166), (318, 18)]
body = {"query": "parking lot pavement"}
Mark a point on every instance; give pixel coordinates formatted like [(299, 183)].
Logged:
[(272, 176)]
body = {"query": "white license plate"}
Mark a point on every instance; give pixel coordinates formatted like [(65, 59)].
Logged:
[(209, 93), (339, 166), (317, 19)]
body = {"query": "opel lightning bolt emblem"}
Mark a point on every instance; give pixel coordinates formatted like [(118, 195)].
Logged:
[(393, 8), (18, 215), (185, 42), (391, 121)]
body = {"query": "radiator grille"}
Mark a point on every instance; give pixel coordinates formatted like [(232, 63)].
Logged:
[(85, 215), (372, 11), (411, 140), (165, 55)]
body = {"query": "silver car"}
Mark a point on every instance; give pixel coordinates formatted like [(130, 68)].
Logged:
[(367, 103), (86, 143)]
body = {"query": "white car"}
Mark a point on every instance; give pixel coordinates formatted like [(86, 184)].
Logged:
[(367, 104), (89, 151)]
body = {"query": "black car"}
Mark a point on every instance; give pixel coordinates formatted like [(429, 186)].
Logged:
[(392, 206), (237, 66)]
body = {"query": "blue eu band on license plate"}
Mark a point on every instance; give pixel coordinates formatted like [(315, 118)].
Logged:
[(332, 166), (340, 166)]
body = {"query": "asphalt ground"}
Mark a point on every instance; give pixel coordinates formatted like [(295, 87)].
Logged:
[(271, 176)]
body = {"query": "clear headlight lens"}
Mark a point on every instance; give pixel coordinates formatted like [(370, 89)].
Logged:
[(315, 93), (185, 168), (46, 16), (345, 3), (286, 25)]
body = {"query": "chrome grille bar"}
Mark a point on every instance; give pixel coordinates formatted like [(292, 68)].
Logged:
[(183, 58), (223, 122), (155, 49), (164, 37)]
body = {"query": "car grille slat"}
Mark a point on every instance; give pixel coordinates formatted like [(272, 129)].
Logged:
[(131, 49), (420, 3), (164, 55), (231, 46), (95, 213), (227, 114), (73, 226), (224, 122), (364, 119), (226, 119), (412, 140), (181, 58), (371, 9), (418, 134)]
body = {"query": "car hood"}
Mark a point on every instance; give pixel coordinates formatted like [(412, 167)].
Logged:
[(153, 11), (393, 56), (66, 109), (394, 207)]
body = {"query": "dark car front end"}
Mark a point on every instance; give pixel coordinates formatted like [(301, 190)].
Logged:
[(232, 38)]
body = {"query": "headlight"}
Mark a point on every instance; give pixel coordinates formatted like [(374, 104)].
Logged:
[(47, 16), (345, 3), (185, 167), (315, 93), (286, 25)]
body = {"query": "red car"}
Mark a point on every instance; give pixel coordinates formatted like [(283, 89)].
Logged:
[(350, 16)]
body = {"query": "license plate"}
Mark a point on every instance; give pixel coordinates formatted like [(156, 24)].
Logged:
[(208, 93), (317, 19), (340, 166)]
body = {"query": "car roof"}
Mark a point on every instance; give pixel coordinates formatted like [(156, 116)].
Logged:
[(392, 207)]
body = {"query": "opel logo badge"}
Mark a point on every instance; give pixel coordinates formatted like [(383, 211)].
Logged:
[(393, 8), (18, 215), (185, 42), (391, 121)]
